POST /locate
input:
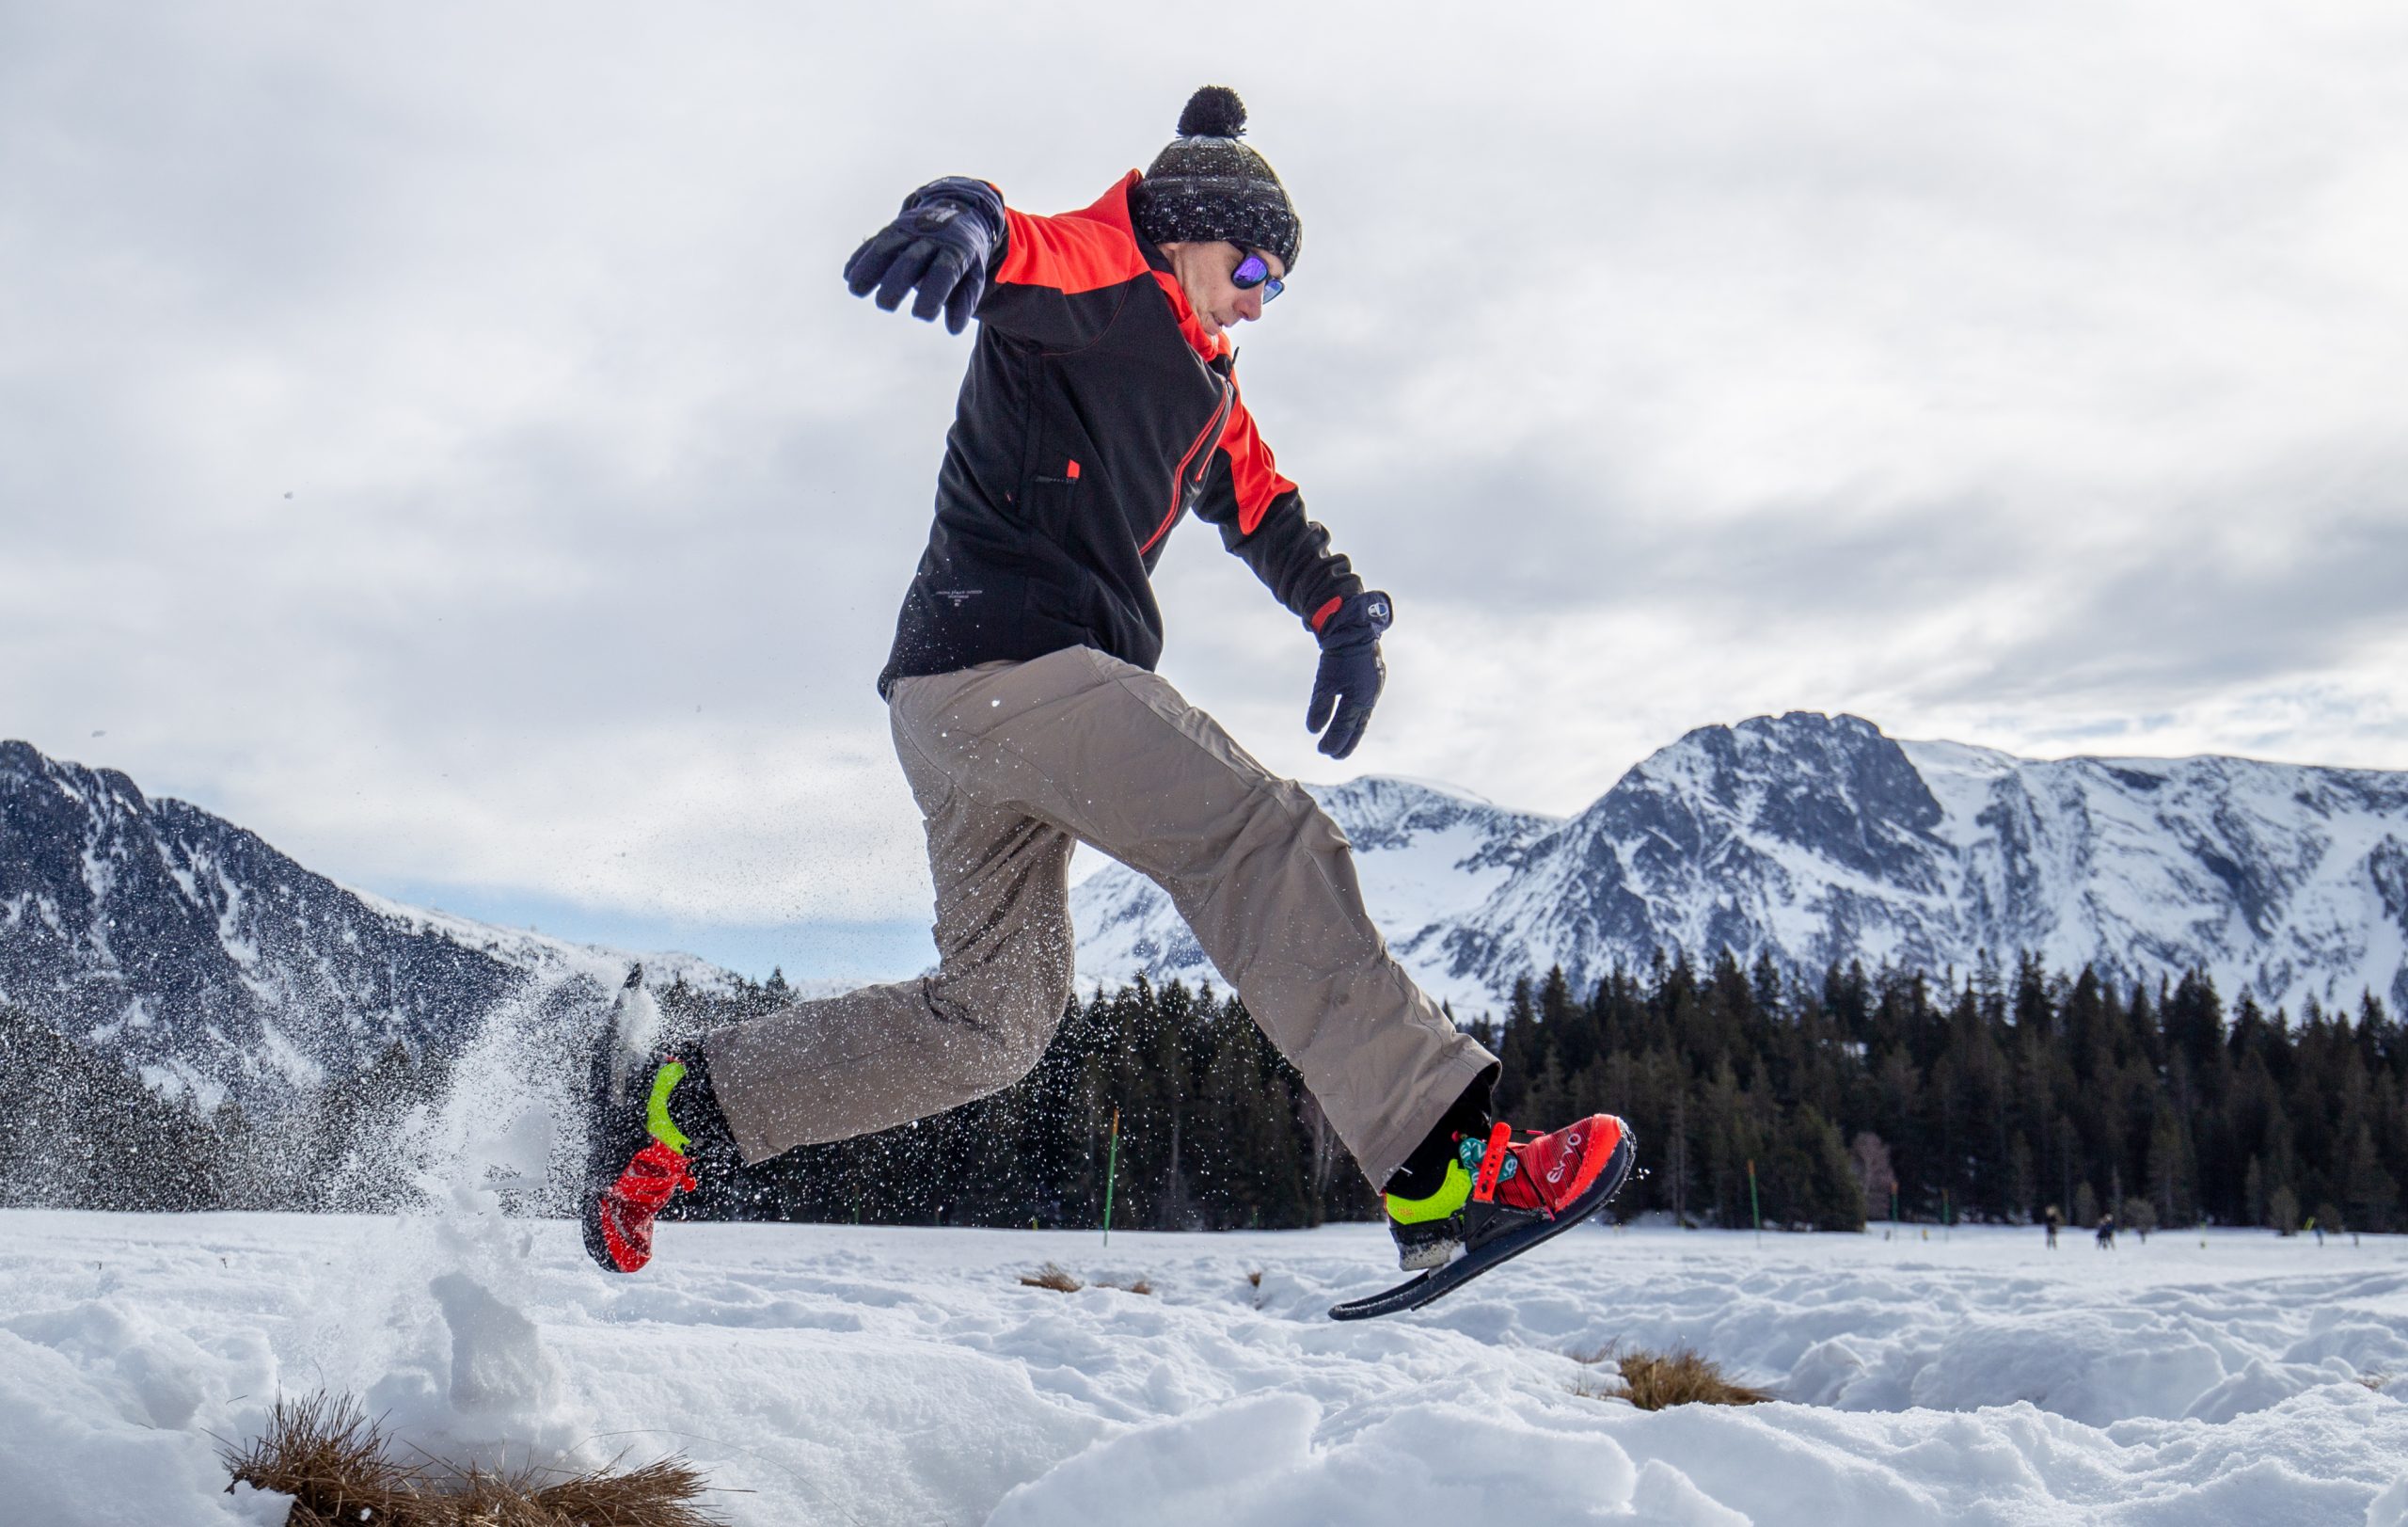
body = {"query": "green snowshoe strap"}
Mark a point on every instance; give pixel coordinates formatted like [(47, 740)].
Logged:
[(656, 1119), (1451, 1195)]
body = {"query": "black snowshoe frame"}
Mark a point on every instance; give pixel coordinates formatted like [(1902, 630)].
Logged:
[(1494, 1233)]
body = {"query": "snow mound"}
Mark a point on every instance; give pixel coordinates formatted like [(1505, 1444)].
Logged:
[(873, 1376), (1430, 1458)]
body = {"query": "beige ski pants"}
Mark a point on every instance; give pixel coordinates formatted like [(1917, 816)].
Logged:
[(1012, 763)]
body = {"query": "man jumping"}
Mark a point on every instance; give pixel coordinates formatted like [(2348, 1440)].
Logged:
[(1101, 407)]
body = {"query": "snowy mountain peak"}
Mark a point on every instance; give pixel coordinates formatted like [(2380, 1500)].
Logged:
[(1391, 812), (1421, 846), (209, 961), (1827, 785), (1818, 838)]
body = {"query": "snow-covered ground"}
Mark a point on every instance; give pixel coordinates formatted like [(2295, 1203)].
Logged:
[(832, 1373)]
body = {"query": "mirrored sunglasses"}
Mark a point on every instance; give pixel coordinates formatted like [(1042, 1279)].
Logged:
[(1251, 272)]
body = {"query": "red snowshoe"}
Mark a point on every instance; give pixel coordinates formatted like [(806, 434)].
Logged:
[(636, 1157), (1523, 1192)]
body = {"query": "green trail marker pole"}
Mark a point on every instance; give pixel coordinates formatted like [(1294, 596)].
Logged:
[(1753, 1211), (1111, 1169)]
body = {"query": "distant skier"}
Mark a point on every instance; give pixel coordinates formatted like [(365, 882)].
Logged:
[(1101, 407), (2055, 1221), (2106, 1233)]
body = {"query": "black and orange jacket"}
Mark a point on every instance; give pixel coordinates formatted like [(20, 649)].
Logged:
[(1095, 414)]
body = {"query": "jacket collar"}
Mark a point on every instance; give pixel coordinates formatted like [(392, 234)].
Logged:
[(1112, 209)]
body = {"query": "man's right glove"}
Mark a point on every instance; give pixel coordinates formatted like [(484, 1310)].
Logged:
[(940, 243), (1352, 674)]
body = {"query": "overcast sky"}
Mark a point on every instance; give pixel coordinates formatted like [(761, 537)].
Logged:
[(435, 436)]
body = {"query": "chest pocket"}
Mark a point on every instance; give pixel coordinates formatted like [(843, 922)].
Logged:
[(1052, 497)]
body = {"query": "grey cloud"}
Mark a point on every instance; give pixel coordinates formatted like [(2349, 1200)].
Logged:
[(1824, 358), (2198, 613)]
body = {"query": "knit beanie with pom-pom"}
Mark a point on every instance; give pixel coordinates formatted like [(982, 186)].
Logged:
[(1207, 185)]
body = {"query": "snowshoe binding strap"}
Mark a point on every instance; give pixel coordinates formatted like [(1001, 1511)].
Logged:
[(1496, 1230), (1491, 1162)]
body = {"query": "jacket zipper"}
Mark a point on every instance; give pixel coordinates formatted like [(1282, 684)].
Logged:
[(1179, 474)]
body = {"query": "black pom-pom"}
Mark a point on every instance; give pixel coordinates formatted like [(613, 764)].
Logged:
[(1212, 112)]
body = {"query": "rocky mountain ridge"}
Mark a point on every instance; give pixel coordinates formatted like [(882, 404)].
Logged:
[(211, 962), (1816, 839)]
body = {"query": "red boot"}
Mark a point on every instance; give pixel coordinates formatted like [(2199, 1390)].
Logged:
[(650, 1113), (618, 1223), (1512, 1195), (1554, 1175)]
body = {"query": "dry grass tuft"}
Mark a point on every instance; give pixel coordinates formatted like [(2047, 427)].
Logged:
[(333, 1461), (1052, 1276), (1654, 1380), (337, 1466), (1682, 1377), (656, 1495)]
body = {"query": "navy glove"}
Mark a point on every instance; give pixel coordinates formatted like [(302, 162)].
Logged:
[(1351, 673), (940, 243)]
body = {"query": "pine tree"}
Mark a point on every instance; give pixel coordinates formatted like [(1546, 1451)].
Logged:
[(1993, 1093), (2369, 1193)]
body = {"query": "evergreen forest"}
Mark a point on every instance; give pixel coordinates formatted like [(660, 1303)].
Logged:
[(1995, 1096)]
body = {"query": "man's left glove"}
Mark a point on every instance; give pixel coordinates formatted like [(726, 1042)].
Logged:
[(940, 243), (1351, 673)]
